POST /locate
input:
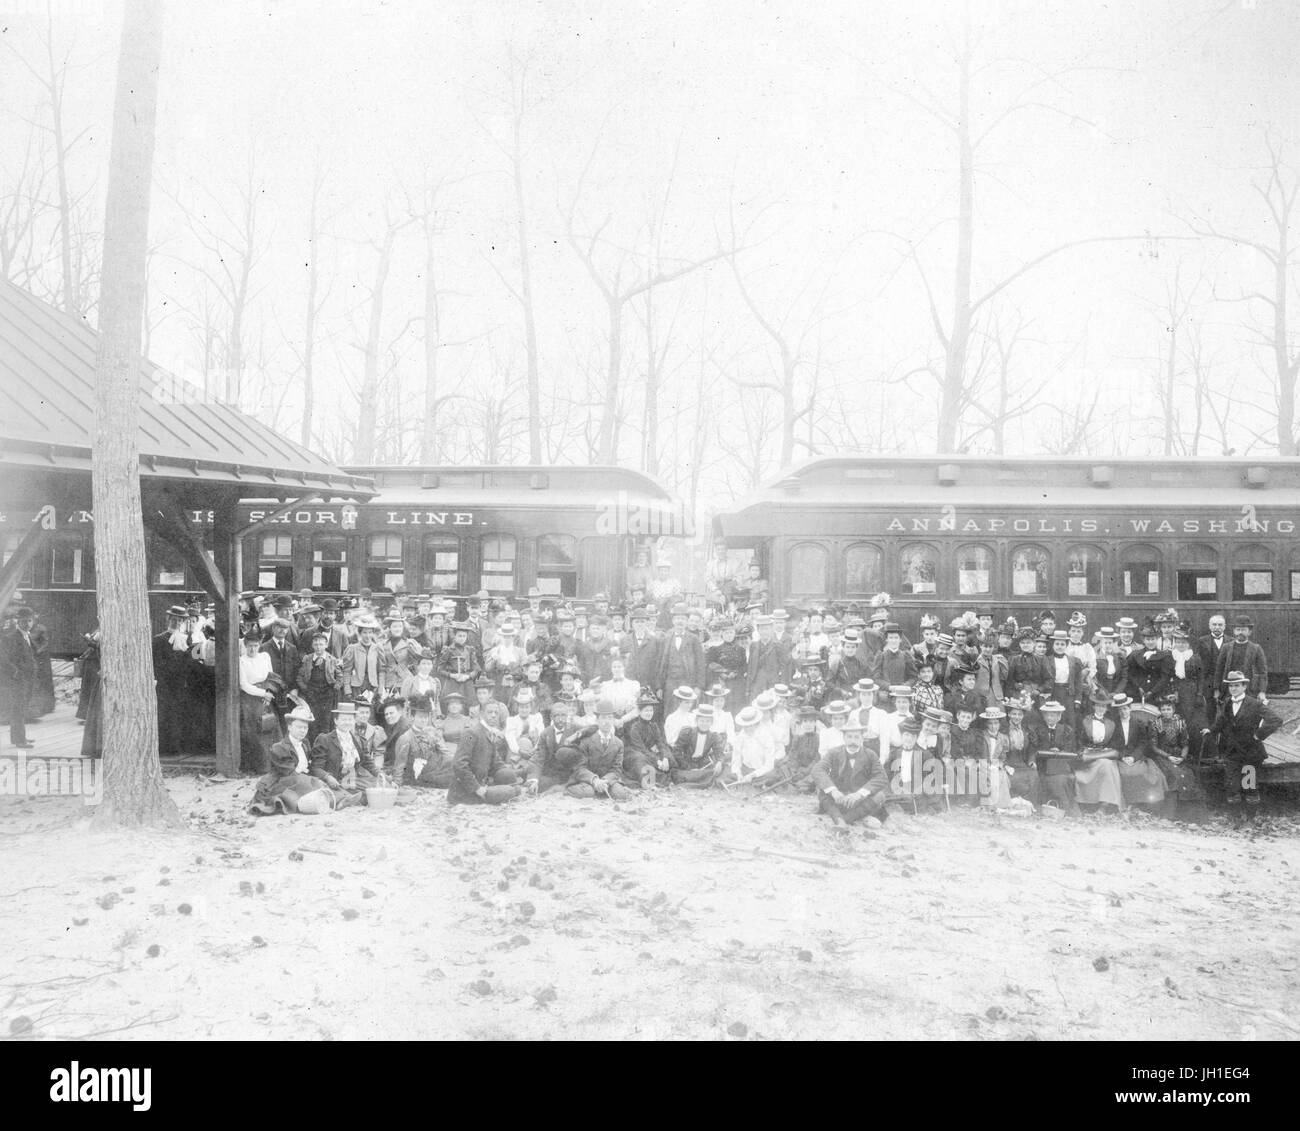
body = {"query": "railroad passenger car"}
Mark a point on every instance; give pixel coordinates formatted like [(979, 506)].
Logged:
[(570, 531), (1020, 535)]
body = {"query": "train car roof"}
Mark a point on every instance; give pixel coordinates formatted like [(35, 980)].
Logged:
[(47, 415), (845, 482), (520, 485)]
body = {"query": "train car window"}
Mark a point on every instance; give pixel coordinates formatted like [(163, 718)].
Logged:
[(1029, 570), (275, 566), (974, 571), (1084, 568), (1141, 571), (1295, 585), (329, 568), (1252, 573), (863, 570), (557, 564), (498, 563), (166, 565), (919, 569), (71, 562), (808, 570), (441, 566), (28, 578), (1198, 573), (384, 567)]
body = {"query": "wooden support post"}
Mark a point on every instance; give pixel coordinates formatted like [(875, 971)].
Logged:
[(165, 515), (23, 553), (225, 547)]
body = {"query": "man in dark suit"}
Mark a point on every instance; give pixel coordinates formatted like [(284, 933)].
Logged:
[(851, 783), (339, 756), (1245, 656), (1208, 649), (481, 774), (681, 657), (285, 665), (1053, 744), (769, 659), (18, 664), (1241, 727)]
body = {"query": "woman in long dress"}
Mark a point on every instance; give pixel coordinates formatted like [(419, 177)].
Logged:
[(1019, 762), (1097, 779), (997, 747)]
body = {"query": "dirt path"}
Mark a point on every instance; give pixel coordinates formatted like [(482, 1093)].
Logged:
[(557, 918)]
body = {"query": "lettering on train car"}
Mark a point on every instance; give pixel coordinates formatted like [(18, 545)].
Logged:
[(1248, 521)]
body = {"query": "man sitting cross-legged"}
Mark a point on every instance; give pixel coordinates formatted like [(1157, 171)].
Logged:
[(851, 783), (600, 770), (481, 774), (557, 754)]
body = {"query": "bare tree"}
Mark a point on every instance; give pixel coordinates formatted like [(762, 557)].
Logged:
[(368, 395), (234, 245), (75, 289), (134, 792), (22, 207), (314, 305), (618, 280), (1278, 188)]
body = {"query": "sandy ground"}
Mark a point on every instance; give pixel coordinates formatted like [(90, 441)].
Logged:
[(557, 918)]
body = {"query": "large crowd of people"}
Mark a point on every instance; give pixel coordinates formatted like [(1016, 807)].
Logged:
[(608, 698), (661, 688)]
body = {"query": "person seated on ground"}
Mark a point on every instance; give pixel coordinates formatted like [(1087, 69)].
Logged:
[(803, 753), (783, 715), (966, 752), (288, 787), (766, 703), (753, 753), (524, 728), (426, 759), (682, 715), (480, 771), (455, 721), (879, 729), (996, 791), (699, 755), (905, 768), (1019, 762), (724, 722), (600, 769), (557, 753), (851, 783), (963, 696), (392, 710), (837, 714), (1140, 778), (646, 753), (340, 757), (1098, 779), (1053, 747)]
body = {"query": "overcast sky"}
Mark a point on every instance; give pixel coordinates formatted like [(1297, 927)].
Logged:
[(804, 120)]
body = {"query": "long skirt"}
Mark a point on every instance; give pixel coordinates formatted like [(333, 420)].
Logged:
[(1142, 781), (1099, 783), (92, 735)]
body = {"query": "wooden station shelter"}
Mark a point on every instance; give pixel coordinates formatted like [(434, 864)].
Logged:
[(193, 456)]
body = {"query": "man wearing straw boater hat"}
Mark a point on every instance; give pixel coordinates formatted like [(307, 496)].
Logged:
[(851, 782), (1242, 725)]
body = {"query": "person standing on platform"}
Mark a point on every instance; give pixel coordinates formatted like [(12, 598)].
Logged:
[(18, 658), (171, 664)]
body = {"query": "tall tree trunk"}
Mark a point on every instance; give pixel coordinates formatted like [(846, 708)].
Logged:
[(309, 327), (61, 168), (609, 413), (954, 373), (365, 445), (650, 431), (134, 793), (432, 342), (526, 300), (1286, 369), (788, 366), (1171, 373)]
